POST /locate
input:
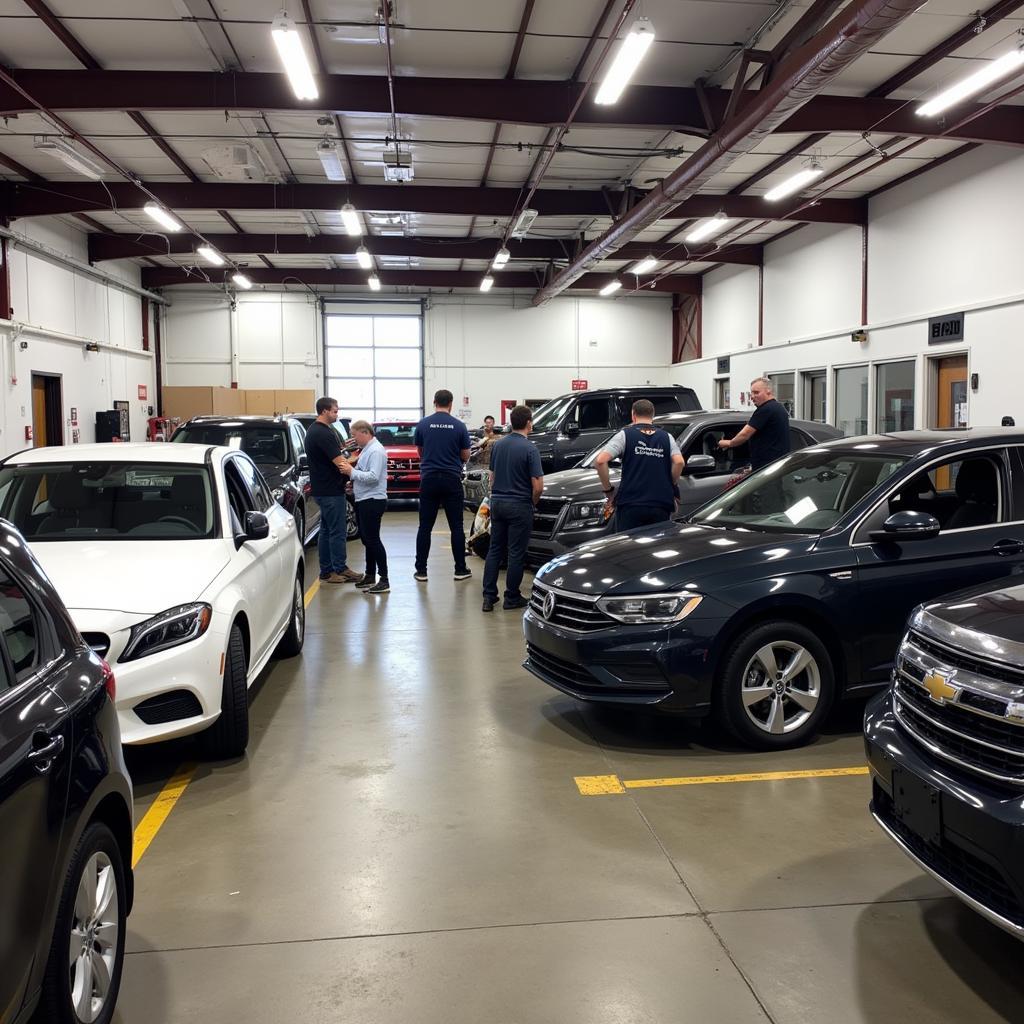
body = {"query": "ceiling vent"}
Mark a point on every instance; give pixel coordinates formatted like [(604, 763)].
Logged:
[(235, 163), (398, 166)]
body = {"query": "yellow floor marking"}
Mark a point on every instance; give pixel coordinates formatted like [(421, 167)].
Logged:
[(146, 830), (312, 592), (598, 785)]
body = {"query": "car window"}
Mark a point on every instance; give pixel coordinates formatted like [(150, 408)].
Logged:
[(549, 415), (240, 500), (391, 434), (705, 442), (592, 414), (254, 482), (20, 627), (266, 445), (298, 438)]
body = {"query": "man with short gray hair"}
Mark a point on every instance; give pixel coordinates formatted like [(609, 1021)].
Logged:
[(768, 428), (370, 489)]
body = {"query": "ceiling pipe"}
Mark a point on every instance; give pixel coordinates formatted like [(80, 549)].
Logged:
[(799, 77)]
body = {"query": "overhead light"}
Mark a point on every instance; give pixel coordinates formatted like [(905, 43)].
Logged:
[(364, 257), (163, 217), (350, 218), (292, 52), (330, 159), (709, 227), (983, 77), (241, 280), (501, 257), (796, 182), (626, 61), (487, 283), (645, 266), (374, 282), (524, 222), (67, 154), (610, 288), (211, 255), (398, 166)]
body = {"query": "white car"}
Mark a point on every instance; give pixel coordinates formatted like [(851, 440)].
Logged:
[(176, 565)]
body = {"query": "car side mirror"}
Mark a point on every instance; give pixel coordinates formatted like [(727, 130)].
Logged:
[(909, 525), (571, 429), (257, 526), (303, 461), (700, 464)]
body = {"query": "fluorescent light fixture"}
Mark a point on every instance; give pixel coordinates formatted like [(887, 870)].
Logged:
[(709, 227), (795, 182), (364, 257), (501, 258), (524, 222), (374, 282), (292, 52), (645, 266), (330, 159), (163, 217), (241, 280), (350, 218), (983, 77), (487, 283), (208, 253), (67, 154), (626, 61), (610, 288)]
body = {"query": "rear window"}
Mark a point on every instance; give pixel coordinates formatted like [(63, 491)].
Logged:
[(264, 445)]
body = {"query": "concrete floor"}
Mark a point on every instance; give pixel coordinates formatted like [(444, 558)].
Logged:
[(404, 842)]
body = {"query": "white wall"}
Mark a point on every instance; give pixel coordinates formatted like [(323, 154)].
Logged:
[(729, 311), (57, 309)]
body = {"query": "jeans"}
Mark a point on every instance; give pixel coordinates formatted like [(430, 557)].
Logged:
[(631, 516), (441, 490), (369, 512), (333, 531), (511, 524)]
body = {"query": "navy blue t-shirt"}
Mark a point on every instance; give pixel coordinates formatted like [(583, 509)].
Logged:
[(771, 442), (443, 439), (514, 462), (646, 469)]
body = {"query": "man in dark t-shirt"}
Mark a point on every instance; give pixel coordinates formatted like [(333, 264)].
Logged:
[(768, 428)]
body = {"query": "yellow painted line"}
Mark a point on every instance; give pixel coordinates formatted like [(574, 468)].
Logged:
[(600, 785), (146, 830), (312, 592)]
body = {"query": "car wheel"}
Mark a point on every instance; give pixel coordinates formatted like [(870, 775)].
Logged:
[(776, 687), (291, 643), (351, 523), (229, 735), (300, 525), (83, 973)]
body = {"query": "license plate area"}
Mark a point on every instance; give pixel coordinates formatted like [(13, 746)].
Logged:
[(917, 805)]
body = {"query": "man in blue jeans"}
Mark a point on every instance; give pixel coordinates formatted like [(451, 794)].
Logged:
[(443, 443), (323, 450), (517, 481)]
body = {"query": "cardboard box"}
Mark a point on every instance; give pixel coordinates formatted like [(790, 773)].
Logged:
[(184, 403), (228, 401), (295, 400), (259, 403)]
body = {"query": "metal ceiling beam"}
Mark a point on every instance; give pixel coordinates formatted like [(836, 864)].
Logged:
[(163, 277)]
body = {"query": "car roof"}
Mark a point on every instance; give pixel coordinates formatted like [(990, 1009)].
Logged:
[(246, 420), (138, 451), (626, 389), (681, 419), (916, 442)]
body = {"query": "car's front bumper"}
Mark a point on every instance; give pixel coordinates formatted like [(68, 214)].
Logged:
[(965, 832), (543, 547), (403, 485)]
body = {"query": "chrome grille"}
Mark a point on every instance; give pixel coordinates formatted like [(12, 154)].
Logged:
[(403, 465), (579, 614), (547, 515)]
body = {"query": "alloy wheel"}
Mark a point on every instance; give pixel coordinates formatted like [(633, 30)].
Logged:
[(299, 610), (781, 687), (92, 950)]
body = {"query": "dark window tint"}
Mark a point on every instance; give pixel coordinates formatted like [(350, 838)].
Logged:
[(268, 445), (592, 414), (390, 434), (254, 482), (727, 460), (19, 626)]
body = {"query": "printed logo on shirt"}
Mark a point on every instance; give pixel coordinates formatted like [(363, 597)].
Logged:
[(645, 449), (442, 426)]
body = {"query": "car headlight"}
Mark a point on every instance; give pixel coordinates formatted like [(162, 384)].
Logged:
[(278, 493), (587, 513), (650, 607), (168, 629)]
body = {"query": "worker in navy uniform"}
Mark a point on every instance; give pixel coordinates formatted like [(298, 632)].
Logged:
[(768, 428), (517, 481), (651, 466)]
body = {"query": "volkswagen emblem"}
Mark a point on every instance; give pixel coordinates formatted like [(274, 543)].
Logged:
[(549, 605)]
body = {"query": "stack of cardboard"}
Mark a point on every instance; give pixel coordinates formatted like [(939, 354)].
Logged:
[(184, 403)]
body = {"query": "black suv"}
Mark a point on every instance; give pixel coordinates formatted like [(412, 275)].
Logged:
[(946, 749), (567, 428), (65, 808)]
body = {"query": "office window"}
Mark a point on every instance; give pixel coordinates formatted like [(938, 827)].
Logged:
[(782, 387), (894, 396), (851, 400), (815, 383)]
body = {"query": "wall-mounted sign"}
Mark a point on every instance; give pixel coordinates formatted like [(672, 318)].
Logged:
[(143, 393), (579, 385), (946, 328), (723, 364)]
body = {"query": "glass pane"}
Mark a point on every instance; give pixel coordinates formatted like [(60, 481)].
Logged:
[(397, 362), (351, 393), (782, 386), (814, 396), (894, 397), (367, 414), (399, 414), (392, 393), (852, 400), (18, 624), (392, 331), (349, 330), (350, 362)]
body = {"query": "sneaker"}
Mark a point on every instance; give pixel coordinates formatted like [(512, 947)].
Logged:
[(365, 581), (487, 606), (383, 587), (514, 602), (420, 577), (463, 574), (350, 576), (335, 577)]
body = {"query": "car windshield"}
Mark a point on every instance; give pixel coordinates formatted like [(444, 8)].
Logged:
[(548, 415), (266, 446), (390, 434), (108, 500), (807, 492)]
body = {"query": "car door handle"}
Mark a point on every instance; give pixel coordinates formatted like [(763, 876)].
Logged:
[(42, 758), (1008, 547)]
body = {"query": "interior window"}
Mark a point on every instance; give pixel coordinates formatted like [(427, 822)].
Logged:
[(594, 414), (254, 482), (727, 460), (19, 626)]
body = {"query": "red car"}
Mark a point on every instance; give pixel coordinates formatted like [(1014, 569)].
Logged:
[(403, 458)]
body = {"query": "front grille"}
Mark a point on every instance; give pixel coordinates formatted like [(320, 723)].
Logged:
[(954, 657), (970, 874), (98, 642), (546, 516), (576, 613), (403, 465), (168, 707)]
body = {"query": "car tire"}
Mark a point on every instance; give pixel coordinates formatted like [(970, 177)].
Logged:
[(351, 522), (104, 903), (229, 735), (291, 643), (776, 686), (300, 525)]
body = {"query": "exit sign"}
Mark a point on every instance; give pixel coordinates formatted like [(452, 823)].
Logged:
[(579, 385)]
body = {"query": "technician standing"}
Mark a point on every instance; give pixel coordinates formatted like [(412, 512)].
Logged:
[(768, 428), (370, 486), (517, 481), (323, 450), (651, 467), (443, 443)]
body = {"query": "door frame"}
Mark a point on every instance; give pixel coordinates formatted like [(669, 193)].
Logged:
[(53, 387)]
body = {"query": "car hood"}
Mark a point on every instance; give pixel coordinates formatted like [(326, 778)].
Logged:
[(132, 576), (668, 557), (988, 613), (402, 451), (577, 484)]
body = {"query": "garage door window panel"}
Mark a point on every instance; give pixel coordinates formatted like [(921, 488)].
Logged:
[(349, 362)]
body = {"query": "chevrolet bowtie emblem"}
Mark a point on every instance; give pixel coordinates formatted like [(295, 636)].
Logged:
[(939, 689)]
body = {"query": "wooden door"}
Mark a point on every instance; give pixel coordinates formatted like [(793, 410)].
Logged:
[(38, 411), (950, 405)]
